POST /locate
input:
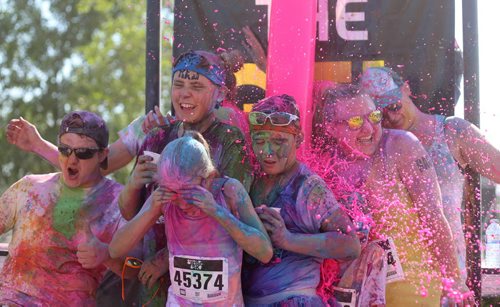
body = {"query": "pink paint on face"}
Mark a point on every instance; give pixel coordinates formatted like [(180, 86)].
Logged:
[(275, 151), (364, 141), (182, 203), (192, 96), (76, 172)]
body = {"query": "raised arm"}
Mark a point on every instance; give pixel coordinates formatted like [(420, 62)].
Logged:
[(143, 173), (247, 231), (133, 231), (25, 136), (470, 147)]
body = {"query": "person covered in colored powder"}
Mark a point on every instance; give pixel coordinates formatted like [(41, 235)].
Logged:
[(62, 222), (451, 142), (299, 212), (197, 87), (392, 171), (361, 281), (209, 220)]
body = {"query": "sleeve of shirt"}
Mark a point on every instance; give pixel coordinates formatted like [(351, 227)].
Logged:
[(10, 204), (316, 202), (110, 219), (133, 136), (236, 159)]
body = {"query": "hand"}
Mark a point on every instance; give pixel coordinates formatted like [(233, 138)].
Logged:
[(144, 172), (456, 294), (93, 253), (161, 196), (275, 225), (23, 134), (152, 270), (156, 119), (254, 48), (200, 197)]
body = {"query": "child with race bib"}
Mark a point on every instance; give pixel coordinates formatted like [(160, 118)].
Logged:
[(209, 221)]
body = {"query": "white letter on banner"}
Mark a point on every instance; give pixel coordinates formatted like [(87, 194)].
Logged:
[(342, 17), (322, 18)]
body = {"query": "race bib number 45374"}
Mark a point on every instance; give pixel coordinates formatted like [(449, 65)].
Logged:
[(199, 279)]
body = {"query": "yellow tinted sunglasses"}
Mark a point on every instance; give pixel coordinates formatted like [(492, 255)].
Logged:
[(356, 122)]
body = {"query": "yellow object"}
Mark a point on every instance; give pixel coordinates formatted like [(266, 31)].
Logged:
[(339, 72), (368, 64), (252, 75), (395, 216), (247, 107)]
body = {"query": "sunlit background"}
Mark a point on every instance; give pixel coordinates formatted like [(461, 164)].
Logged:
[(489, 68)]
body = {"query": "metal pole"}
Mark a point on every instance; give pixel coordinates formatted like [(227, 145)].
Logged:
[(153, 54), (471, 114)]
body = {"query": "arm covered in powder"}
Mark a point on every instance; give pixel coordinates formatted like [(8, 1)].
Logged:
[(470, 147), (335, 238), (25, 136), (247, 231), (420, 179)]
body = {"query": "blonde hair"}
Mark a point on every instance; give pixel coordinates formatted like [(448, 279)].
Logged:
[(183, 159)]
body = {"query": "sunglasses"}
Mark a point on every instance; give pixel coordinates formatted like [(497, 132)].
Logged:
[(276, 119), (136, 263), (395, 107), (80, 153), (356, 122)]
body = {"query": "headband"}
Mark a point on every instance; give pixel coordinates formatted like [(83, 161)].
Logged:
[(191, 61)]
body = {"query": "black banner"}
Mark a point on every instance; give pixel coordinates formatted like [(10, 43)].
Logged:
[(416, 38)]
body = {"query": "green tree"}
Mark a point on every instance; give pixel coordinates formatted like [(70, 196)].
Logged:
[(61, 55)]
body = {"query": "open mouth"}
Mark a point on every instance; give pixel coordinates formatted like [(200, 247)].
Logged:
[(365, 140), (72, 172), (187, 106)]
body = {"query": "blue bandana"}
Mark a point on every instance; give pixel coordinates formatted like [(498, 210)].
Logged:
[(191, 61)]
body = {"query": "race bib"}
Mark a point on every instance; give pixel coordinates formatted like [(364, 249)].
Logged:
[(344, 297), (199, 279), (394, 269)]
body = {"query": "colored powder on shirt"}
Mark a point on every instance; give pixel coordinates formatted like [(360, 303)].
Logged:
[(66, 210)]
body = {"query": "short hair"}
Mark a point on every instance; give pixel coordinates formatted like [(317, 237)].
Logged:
[(184, 159), (277, 103)]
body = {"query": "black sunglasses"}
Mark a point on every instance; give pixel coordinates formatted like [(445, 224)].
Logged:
[(80, 153), (395, 107)]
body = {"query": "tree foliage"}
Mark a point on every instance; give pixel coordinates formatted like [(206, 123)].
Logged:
[(63, 55)]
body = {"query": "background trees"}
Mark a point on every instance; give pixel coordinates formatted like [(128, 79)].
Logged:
[(62, 55)]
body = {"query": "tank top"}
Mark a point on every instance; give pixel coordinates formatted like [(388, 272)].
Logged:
[(205, 261), (396, 217)]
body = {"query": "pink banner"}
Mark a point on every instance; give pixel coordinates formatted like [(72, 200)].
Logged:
[(290, 61)]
